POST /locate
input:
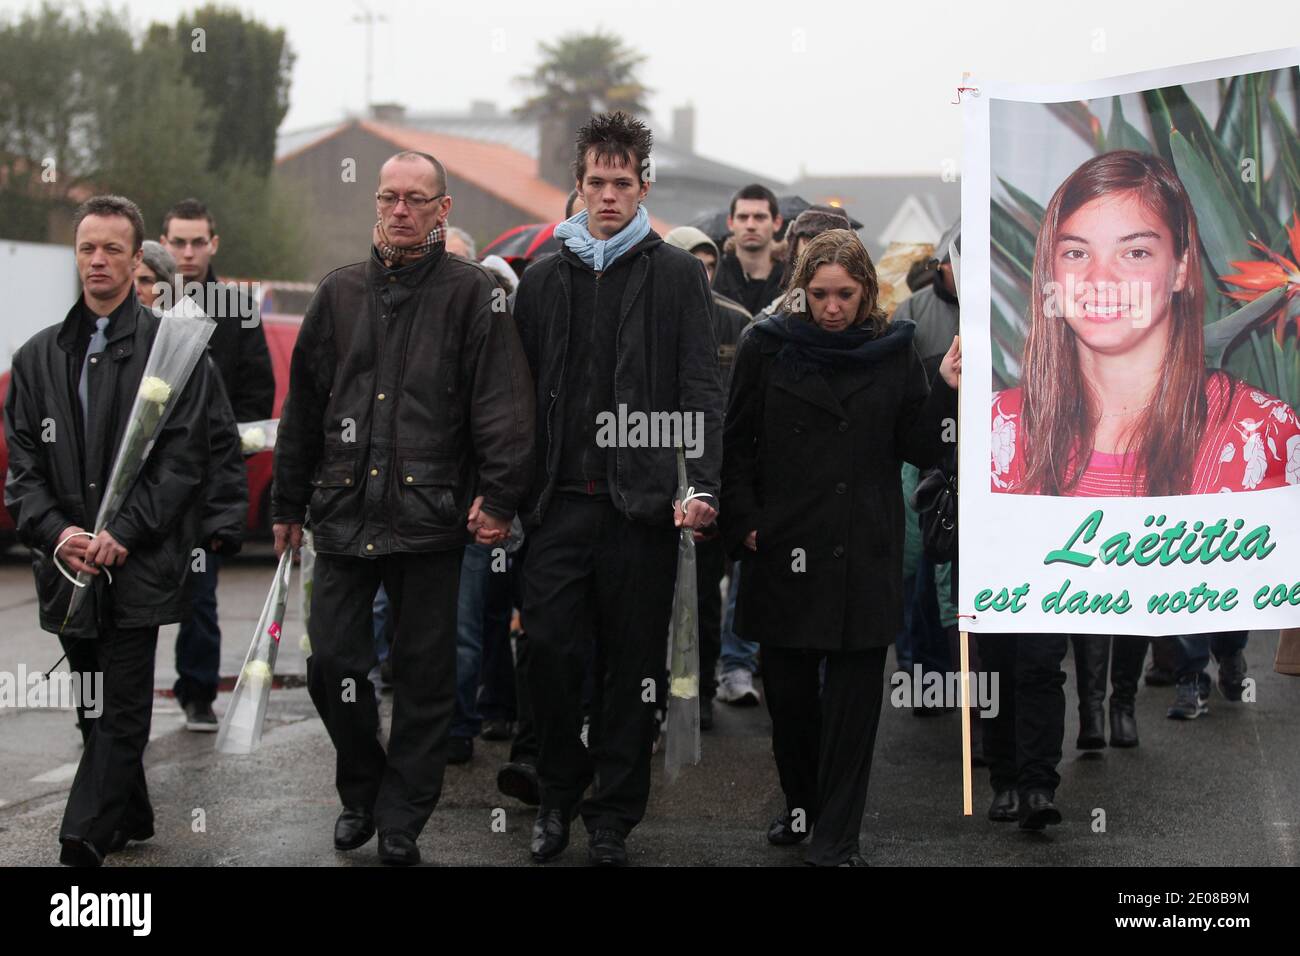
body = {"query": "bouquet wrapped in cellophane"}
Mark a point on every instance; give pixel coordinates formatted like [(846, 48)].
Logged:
[(683, 731), (183, 333), (241, 728), (306, 574), (258, 436)]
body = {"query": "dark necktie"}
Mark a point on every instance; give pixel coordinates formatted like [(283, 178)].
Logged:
[(98, 342)]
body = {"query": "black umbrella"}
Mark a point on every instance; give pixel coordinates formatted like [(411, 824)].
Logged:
[(714, 224)]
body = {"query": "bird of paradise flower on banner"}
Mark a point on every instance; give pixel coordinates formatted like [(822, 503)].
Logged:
[(1243, 175)]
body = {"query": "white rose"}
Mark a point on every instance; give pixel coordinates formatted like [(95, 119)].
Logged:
[(257, 671), (685, 687), (154, 389), (252, 440)]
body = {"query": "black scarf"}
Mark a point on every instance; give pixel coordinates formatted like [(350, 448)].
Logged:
[(810, 348)]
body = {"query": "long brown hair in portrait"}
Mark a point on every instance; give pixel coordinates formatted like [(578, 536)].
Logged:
[(843, 248), (1060, 413)]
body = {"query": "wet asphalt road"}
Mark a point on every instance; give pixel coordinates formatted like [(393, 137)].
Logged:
[(1223, 790)]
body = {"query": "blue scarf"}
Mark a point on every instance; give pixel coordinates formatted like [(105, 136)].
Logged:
[(601, 253)]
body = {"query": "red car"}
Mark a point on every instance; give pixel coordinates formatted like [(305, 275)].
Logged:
[(281, 334)]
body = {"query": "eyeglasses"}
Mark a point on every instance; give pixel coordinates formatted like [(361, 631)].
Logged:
[(389, 200), (197, 244)]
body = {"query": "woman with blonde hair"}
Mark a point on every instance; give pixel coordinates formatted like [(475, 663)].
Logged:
[(827, 399)]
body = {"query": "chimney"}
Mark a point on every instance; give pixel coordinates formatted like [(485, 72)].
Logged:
[(683, 135), (556, 135), (480, 109), (394, 113)]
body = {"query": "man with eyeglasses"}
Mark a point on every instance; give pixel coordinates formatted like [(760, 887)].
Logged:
[(238, 348), (407, 431)]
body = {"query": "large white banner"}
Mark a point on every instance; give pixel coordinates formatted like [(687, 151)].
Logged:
[(1130, 304)]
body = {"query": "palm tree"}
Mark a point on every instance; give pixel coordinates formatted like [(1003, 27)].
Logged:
[(581, 74)]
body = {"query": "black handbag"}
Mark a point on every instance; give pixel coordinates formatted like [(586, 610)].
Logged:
[(935, 500)]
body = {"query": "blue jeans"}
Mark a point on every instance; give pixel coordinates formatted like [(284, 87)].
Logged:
[(198, 643), (929, 638), (384, 625), (474, 571), (736, 654), (1192, 651)]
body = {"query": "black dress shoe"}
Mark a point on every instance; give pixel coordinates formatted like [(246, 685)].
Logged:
[(353, 828), (608, 848), (550, 835), (1123, 725), (1005, 807), (1092, 727), (781, 833), (78, 852), (397, 849), (1038, 811), (122, 837), (497, 729), (460, 750), (519, 780)]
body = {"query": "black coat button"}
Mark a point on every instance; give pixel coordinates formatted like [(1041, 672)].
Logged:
[(841, 488), (839, 551), (844, 426)]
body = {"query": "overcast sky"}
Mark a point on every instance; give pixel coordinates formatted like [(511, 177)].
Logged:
[(814, 86)]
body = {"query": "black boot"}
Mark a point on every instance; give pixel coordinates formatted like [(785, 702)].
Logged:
[(1125, 670), (1091, 657)]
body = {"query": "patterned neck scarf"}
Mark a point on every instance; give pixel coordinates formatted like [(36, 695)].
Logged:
[(397, 255)]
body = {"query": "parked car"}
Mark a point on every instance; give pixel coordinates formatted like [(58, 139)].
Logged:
[(281, 334)]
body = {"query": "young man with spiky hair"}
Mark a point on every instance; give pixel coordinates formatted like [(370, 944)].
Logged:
[(618, 317)]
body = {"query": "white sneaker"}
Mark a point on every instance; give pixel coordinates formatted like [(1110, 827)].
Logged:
[(737, 688)]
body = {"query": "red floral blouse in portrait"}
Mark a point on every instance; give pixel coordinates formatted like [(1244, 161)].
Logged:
[(1251, 442)]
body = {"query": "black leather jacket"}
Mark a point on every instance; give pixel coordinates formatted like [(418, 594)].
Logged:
[(55, 483), (408, 396)]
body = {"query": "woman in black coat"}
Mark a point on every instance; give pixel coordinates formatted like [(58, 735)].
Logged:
[(827, 398)]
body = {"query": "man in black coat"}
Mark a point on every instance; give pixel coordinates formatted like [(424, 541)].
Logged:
[(238, 348), (408, 421), (70, 396), (617, 326), (750, 270)]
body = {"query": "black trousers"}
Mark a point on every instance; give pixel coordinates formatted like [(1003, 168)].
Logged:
[(1022, 744), (710, 566), (109, 793), (593, 575), (402, 787), (823, 738), (1123, 655)]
